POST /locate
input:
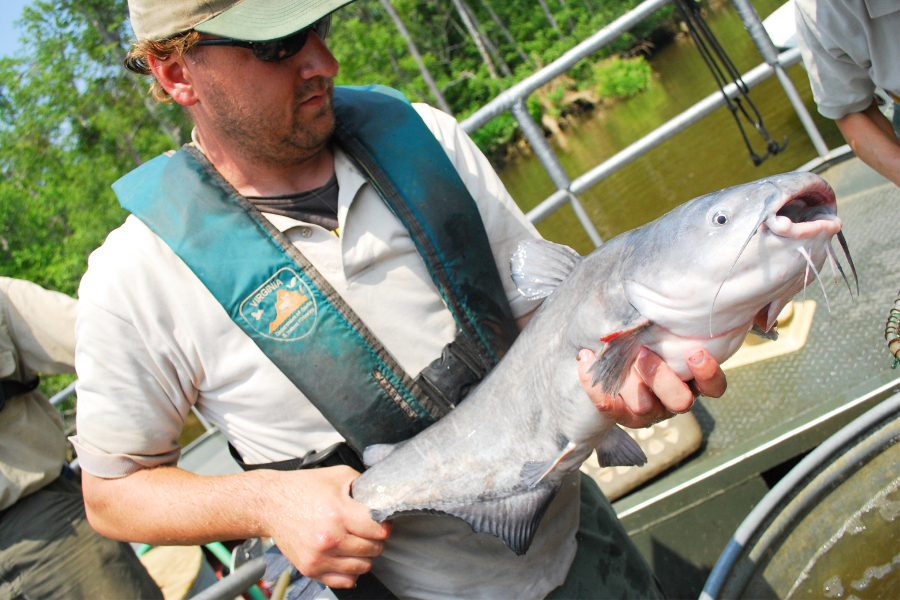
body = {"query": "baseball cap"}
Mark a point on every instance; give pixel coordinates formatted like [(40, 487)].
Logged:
[(248, 20)]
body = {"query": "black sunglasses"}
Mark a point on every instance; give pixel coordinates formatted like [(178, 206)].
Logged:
[(275, 50)]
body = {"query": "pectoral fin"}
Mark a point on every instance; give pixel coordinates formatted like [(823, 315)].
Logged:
[(539, 266), (612, 364), (772, 334), (618, 449)]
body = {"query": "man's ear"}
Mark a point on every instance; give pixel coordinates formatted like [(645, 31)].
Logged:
[(174, 76)]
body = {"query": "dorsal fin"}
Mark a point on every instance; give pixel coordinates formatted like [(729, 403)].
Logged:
[(539, 266)]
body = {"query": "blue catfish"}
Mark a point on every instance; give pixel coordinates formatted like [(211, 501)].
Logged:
[(701, 275)]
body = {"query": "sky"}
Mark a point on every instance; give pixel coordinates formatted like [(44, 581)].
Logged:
[(9, 36)]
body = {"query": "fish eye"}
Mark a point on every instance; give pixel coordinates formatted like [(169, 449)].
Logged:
[(719, 216)]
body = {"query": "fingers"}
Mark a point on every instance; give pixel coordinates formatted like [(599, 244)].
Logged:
[(324, 532), (653, 391), (672, 392), (708, 375), (635, 406)]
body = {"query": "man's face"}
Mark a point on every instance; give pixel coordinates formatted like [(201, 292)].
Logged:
[(273, 113)]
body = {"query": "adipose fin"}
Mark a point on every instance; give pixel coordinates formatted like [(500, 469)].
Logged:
[(376, 453), (539, 266)]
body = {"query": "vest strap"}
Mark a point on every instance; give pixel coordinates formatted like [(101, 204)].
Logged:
[(338, 454), (10, 389)]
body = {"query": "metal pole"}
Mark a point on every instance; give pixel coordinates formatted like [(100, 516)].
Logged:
[(505, 100), (656, 137), (554, 168), (768, 51)]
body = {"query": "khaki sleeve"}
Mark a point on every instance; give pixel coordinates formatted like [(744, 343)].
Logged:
[(42, 325)]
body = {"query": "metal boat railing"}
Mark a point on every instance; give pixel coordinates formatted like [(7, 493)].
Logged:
[(568, 190)]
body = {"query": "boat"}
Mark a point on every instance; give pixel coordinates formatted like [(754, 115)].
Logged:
[(709, 470)]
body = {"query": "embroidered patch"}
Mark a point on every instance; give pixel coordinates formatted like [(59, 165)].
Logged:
[(283, 308)]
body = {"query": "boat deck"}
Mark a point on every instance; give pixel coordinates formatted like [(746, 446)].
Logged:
[(777, 410)]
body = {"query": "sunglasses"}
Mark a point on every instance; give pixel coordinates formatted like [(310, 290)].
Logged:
[(276, 50)]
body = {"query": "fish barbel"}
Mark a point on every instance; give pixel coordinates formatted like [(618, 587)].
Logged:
[(699, 275)]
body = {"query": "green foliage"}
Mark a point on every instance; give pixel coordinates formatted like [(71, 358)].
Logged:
[(371, 50), (622, 78), (71, 123)]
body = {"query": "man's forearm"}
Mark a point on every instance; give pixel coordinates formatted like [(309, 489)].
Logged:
[(310, 514), (872, 138), (168, 505)]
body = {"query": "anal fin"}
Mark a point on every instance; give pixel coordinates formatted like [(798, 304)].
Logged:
[(514, 519)]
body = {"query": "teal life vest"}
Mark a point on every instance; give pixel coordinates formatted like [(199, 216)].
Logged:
[(275, 295)]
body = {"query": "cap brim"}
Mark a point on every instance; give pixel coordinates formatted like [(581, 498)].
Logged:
[(261, 20)]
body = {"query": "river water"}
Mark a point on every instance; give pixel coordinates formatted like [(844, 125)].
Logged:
[(708, 156)]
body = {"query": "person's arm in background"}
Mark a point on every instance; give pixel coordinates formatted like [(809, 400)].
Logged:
[(872, 138), (43, 326), (834, 40)]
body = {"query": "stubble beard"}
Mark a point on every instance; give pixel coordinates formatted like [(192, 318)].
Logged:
[(266, 140)]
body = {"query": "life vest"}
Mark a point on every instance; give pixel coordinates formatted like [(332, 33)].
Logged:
[(275, 295)]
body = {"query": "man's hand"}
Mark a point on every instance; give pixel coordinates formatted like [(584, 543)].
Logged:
[(326, 534), (653, 392), (317, 525)]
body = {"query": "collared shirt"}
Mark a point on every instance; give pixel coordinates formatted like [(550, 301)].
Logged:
[(37, 335), (849, 47), (152, 342)]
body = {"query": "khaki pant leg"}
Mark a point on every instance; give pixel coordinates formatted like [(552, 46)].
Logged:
[(48, 550)]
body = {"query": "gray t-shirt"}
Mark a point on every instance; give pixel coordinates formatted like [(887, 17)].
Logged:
[(317, 206)]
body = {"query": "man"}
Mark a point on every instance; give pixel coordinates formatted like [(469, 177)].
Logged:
[(849, 48), (272, 134), (47, 547)]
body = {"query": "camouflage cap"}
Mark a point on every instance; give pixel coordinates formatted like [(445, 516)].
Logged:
[(250, 20)]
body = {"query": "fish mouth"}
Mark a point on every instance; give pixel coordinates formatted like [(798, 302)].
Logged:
[(807, 209), (804, 213)]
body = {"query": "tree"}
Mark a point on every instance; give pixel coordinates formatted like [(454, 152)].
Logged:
[(71, 123), (473, 33), (506, 32), (414, 51)]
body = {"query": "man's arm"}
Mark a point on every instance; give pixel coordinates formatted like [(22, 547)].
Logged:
[(310, 514), (872, 138)]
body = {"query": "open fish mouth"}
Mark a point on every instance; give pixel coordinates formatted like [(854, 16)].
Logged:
[(806, 212), (803, 214)]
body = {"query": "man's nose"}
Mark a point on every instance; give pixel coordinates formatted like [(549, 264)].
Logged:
[(316, 59)]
